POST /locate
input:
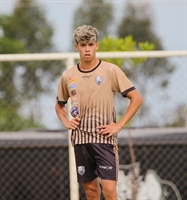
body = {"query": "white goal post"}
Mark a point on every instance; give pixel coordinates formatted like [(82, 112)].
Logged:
[(65, 56), (70, 60)]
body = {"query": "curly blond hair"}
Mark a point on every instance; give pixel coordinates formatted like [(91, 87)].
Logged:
[(85, 33)]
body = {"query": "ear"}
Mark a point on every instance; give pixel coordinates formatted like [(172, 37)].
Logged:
[(76, 46), (97, 45)]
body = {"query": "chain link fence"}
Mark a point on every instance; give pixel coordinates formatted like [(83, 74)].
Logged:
[(35, 159), (34, 165)]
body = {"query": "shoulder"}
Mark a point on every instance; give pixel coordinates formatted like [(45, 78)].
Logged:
[(108, 65), (112, 68), (70, 71)]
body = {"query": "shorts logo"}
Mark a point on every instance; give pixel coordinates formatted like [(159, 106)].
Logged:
[(81, 170), (106, 167), (99, 80)]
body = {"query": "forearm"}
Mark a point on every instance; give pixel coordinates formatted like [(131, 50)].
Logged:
[(62, 114), (133, 107)]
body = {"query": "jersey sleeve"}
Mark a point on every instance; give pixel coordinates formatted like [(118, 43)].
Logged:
[(62, 93), (120, 81)]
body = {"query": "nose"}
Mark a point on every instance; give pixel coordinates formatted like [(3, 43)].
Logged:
[(87, 48)]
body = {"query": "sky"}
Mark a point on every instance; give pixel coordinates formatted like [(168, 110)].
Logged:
[(169, 19)]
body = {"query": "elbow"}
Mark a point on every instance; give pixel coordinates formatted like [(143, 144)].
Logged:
[(135, 97), (140, 100), (59, 108), (56, 107)]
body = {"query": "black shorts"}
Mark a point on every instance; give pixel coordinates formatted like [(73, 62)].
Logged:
[(96, 160)]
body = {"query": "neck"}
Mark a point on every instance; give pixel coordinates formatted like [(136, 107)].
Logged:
[(88, 65)]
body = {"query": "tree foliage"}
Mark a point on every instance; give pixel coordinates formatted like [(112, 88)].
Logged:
[(25, 31), (12, 121), (97, 13), (127, 43), (138, 22), (179, 119)]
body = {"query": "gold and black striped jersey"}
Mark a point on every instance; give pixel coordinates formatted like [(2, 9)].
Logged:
[(92, 98)]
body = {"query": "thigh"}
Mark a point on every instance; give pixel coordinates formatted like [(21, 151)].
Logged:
[(92, 189), (107, 161), (109, 189), (85, 164), (92, 185)]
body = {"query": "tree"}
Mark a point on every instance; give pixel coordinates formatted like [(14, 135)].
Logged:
[(97, 13), (137, 22), (26, 31), (124, 44), (179, 118)]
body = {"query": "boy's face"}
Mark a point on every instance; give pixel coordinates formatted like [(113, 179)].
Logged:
[(87, 50)]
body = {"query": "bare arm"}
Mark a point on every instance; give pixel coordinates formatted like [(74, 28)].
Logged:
[(135, 103), (62, 115)]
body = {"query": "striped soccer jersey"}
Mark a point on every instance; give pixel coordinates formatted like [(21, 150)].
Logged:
[(92, 99)]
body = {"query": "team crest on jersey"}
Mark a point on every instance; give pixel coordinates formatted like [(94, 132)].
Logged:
[(99, 80), (81, 170)]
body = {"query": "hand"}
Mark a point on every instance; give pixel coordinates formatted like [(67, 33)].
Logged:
[(73, 124), (109, 130)]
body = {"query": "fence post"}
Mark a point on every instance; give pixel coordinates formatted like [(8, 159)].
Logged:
[(74, 187)]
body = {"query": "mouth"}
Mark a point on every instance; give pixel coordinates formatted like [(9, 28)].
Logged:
[(87, 55)]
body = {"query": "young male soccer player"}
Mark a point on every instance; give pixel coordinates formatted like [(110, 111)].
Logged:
[(91, 85)]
